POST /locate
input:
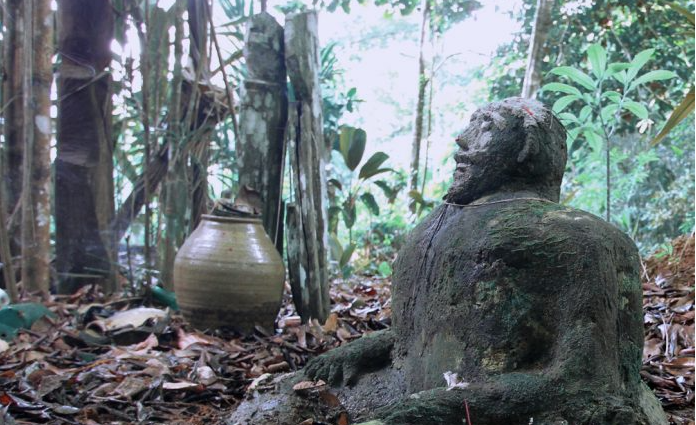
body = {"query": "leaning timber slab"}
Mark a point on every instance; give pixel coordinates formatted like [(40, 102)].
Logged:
[(263, 115), (308, 164)]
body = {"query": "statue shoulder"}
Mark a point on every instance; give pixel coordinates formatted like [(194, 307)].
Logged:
[(535, 226), (587, 226)]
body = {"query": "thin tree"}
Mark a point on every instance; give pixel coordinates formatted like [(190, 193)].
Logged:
[(175, 181), (535, 57), (145, 64), (420, 101), (12, 109), (36, 211)]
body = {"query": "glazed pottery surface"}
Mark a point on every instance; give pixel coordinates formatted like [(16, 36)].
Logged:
[(228, 273)]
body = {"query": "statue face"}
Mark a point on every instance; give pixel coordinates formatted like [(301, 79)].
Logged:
[(487, 150)]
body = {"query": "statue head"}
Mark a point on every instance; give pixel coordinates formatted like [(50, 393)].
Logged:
[(513, 145)]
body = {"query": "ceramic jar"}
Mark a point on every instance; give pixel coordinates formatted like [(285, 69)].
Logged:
[(229, 273)]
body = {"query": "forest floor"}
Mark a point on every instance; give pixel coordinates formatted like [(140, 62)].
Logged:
[(124, 360)]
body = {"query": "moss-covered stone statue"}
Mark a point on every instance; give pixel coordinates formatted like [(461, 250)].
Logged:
[(534, 306)]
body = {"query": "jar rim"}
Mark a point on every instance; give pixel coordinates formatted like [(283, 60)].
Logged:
[(224, 219)]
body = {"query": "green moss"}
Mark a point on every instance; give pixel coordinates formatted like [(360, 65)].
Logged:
[(629, 283), (623, 303), (487, 291)]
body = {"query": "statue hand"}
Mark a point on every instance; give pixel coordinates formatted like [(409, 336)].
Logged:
[(345, 364)]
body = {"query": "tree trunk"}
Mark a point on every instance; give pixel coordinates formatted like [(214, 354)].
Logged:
[(420, 102), (145, 70), (263, 116), (6, 258), (13, 72), (198, 19), (175, 201), (535, 57), (147, 182), (84, 190), (306, 150), (199, 180), (36, 207)]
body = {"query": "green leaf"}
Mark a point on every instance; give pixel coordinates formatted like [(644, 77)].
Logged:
[(621, 77), (357, 148), (593, 139), (638, 62), (589, 98), (616, 67), (561, 88), (384, 269), (347, 253), (575, 75), (584, 113), (345, 138), (685, 108), (652, 76), (348, 212), (637, 109), (388, 191), (337, 184), (572, 135), (568, 117), (371, 167), (608, 111), (17, 316), (335, 247), (370, 203), (612, 95), (563, 102), (598, 59)]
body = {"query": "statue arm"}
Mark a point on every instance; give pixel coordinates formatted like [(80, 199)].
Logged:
[(516, 394), (345, 364)]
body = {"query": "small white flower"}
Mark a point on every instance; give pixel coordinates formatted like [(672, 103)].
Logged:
[(644, 125), (453, 381)]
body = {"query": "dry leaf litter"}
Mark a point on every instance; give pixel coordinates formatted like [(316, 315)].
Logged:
[(123, 360)]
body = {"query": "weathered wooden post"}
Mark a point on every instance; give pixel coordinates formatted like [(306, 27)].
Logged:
[(307, 218), (262, 117)]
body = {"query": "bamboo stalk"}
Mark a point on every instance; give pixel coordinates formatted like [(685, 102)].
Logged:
[(228, 90), (145, 71)]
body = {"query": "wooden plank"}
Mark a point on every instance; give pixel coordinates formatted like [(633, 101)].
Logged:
[(263, 115), (307, 158)]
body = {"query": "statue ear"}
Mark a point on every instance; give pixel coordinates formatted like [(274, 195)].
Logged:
[(531, 147)]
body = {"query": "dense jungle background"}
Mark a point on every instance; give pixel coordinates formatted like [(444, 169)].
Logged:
[(120, 126)]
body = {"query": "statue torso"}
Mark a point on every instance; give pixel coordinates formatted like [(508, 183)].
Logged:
[(477, 289)]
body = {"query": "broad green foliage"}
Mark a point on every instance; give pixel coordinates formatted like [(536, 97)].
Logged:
[(352, 184), (609, 113), (659, 203), (604, 106), (603, 103)]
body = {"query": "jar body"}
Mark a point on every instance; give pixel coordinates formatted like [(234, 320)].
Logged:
[(228, 273)]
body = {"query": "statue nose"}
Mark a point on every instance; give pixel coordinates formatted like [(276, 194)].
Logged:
[(462, 143)]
